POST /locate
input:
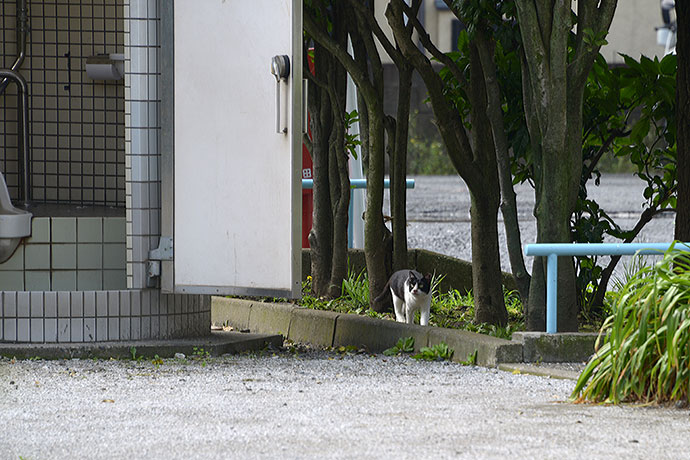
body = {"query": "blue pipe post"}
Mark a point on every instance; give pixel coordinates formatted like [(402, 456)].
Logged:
[(551, 294)]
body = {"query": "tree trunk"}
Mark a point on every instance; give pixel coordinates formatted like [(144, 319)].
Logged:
[(554, 76), (475, 161), (340, 216), (508, 200), (486, 273), (682, 230), (321, 234), (340, 196), (374, 235), (398, 170)]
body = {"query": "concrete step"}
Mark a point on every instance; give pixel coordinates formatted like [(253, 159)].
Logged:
[(215, 344)]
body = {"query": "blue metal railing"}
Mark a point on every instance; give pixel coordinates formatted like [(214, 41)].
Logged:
[(552, 250), (358, 183), (355, 184)]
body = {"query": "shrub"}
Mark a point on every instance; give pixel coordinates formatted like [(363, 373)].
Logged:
[(645, 354)]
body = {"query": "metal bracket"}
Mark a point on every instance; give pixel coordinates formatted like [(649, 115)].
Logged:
[(164, 251)]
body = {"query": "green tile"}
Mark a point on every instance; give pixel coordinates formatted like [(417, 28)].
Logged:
[(37, 256), (89, 280), (64, 256), (40, 230), (64, 280), (64, 230), (37, 281), (114, 230), (114, 279), (90, 229), (89, 256), (114, 256), (16, 262), (11, 281)]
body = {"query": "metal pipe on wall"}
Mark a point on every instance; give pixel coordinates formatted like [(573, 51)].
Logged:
[(22, 33), (8, 75)]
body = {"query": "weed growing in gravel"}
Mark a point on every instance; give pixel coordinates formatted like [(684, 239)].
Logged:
[(200, 354), (439, 352), (404, 345)]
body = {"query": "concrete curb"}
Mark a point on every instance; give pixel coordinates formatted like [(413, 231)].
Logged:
[(491, 351), (542, 371), (554, 348), (216, 344), (336, 329)]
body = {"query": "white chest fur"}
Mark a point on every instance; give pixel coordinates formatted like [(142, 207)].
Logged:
[(415, 300)]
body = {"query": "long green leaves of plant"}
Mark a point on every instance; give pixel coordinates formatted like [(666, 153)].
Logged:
[(645, 354)]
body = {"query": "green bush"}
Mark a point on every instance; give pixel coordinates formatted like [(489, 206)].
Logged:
[(643, 350)]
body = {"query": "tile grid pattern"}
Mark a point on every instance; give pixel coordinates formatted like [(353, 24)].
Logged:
[(142, 135), (67, 254), (77, 124), (101, 316), (135, 314)]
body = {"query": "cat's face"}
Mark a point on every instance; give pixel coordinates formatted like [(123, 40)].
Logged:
[(419, 286)]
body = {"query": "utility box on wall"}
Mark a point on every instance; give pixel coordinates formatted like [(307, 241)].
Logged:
[(231, 146)]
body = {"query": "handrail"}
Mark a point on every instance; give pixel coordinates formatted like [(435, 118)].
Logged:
[(552, 250), (23, 128), (358, 183), (22, 32)]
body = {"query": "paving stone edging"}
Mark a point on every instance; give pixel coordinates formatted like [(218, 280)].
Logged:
[(326, 328)]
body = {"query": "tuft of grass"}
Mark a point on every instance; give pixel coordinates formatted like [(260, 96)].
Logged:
[(438, 352), (355, 289), (354, 297), (404, 345), (643, 350)]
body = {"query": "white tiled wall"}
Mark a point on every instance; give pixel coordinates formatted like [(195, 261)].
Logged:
[(77, 124), (101, 316), (84, 259), (68, 254), (142, 134)]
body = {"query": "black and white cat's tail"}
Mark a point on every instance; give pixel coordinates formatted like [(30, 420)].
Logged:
[(386, 290)]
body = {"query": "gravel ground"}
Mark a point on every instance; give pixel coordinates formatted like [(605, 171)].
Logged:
[(315, 405)]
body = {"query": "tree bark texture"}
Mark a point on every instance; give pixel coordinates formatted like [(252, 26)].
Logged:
[(398, 170), (508, 200), (682, 230), (555, 82), (474, 161), (339, 177), (321, 234), (486, 275), (367, 72)]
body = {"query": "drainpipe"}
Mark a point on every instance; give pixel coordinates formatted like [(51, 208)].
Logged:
[(8, 75), (22, 33)]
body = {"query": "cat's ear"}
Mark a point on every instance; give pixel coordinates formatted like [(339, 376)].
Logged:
[(428, 276), (412, 275)]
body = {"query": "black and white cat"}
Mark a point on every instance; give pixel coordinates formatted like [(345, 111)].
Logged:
[(411, 292)]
